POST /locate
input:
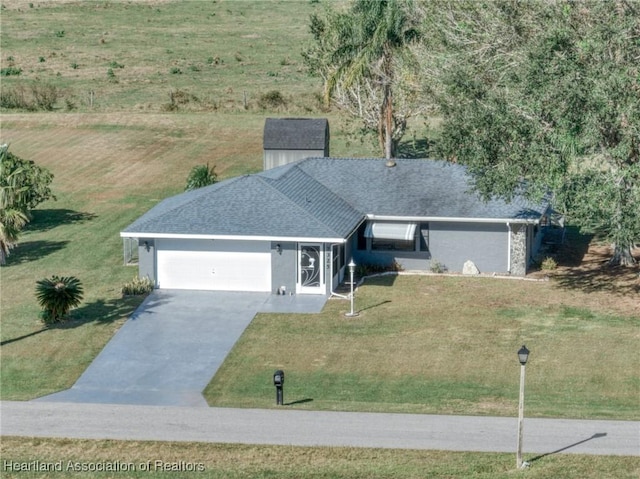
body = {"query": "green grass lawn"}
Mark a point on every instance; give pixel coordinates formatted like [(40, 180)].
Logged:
[(240, 461), (426, 344)]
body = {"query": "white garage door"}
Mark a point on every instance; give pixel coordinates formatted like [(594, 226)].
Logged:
[(222, 265)]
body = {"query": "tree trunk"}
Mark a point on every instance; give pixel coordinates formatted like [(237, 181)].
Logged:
[(622, 256), (388, 127)]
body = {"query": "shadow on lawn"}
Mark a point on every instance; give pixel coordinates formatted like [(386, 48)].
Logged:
[(45, 220), (299, 401), (595, 436), (103, 311), (583, 265), (100, 311), (25, 336), (33, 250)]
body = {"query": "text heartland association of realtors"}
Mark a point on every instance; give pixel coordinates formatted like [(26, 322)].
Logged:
[(101, 466)]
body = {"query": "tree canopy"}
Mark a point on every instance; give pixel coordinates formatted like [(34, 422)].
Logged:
[(364, 58), (23, 186), (547, 94)]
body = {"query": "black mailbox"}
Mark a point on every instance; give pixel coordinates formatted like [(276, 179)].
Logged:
[(278, 378), (278, 382)]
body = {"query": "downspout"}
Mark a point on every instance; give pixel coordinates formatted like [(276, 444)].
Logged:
[(509, 247)]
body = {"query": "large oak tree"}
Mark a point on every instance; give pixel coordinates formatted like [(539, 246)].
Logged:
[(547, 94)]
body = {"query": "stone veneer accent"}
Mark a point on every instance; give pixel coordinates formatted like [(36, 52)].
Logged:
[(518, 249)]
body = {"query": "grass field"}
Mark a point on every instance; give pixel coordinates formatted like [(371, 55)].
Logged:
[(222, 55), (238, 461)]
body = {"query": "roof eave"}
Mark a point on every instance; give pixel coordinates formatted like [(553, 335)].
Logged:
[(454, 219), (300, 239)]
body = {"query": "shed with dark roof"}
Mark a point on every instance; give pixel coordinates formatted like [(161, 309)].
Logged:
[(286, 140)]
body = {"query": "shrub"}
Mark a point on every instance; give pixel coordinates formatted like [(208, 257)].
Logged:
[(45, 95), (10, 71), (548, 264), (179, 97), (272, 99), (201, 175), (137, 286), (175, 71), (57, 296), (367, 269), (437, 267), (115, 64), (15, 98), (59, 33)]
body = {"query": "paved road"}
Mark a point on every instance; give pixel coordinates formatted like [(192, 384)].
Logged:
[(317, 428), (172, 346)]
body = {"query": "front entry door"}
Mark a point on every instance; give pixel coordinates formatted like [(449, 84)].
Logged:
[(310, 268)]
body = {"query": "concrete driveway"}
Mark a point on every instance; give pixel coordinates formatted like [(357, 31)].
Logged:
[(171, 347)]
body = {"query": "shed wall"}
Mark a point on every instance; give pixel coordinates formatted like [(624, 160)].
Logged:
[(273, 158)]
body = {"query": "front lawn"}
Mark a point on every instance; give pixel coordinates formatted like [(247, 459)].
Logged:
[(447, 345)]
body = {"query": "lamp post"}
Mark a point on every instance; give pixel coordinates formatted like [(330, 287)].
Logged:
[(523, 356), (352, 270)]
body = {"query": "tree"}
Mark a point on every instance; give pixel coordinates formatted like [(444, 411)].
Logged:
[(23, 185), (57, 296), (201, 175), (364, 58), (547, 94)]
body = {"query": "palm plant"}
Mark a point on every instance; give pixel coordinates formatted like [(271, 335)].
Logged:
[(201, 175), (362, 51), (13, 216), (57, 296), (12, 220)]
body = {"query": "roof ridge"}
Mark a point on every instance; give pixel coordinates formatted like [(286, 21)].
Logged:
[(272, 181)]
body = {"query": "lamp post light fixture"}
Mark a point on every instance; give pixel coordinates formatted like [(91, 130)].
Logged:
[(352, 270), (523, 356)]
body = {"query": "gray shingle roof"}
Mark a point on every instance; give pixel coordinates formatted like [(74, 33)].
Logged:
[(295, 133), (415, 187), (326, 198)]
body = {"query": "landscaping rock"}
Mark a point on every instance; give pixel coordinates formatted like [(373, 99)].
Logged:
[(470, 268)]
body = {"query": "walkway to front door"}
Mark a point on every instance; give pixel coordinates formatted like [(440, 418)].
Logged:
[(172, 346)]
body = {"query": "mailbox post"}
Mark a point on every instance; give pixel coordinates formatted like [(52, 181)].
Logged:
[(278, 382)]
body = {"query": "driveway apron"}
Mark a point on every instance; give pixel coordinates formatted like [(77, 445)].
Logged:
[(171, 347)]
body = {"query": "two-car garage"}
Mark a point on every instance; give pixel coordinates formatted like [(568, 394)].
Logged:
[(213, 264)]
